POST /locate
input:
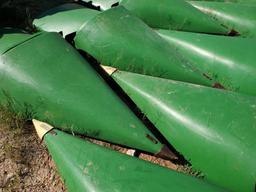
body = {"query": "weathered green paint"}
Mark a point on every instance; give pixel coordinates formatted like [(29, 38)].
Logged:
[(88, 167), (67, 18), (222, 57), (174, 14), (240, 17), (103, 4), (45, 76), (136, 48), (214, 129), (12, 37)]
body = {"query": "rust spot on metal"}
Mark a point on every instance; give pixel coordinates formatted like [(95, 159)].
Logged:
[(52, 132), (151, 138), (166, 153), (233, 33), (218, 86)]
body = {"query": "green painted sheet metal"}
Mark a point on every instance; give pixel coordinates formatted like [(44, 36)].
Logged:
[(230, 60), (67, 18), (214, 129), (103, 4), (47, 78), (222, 67), (10, 38), (174, 14), (88, 167), (240, 17), (136, 48)]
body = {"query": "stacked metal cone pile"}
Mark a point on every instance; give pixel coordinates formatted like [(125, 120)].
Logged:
[(189, 66)]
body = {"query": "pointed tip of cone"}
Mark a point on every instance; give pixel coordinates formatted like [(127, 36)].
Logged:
[(41, 128), (166, 153), (109, 70)]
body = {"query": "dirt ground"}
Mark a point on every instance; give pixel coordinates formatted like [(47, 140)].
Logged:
[(24, 162)]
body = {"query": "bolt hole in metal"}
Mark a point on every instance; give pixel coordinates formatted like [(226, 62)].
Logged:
[(151, 138)]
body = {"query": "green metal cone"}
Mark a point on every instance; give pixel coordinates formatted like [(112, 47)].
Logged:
[(214, 129), (67, 18), (136, 48), (11, 38), (88, 167), (174, 14), (45, 78), (230, 60), (240, 17)]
